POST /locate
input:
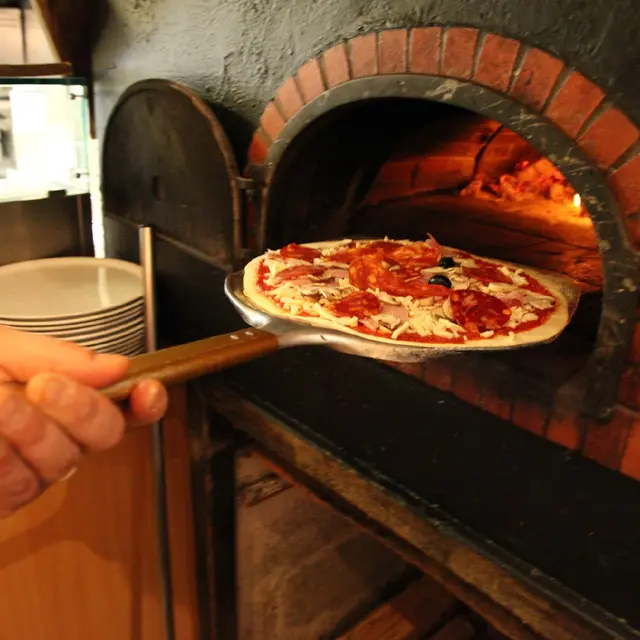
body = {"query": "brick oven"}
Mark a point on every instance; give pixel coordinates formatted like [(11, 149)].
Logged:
[(493, 146), (496, 130)]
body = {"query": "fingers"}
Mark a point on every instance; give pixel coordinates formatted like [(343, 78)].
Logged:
[(85, 415), (61, 414), (23, 355), (147, 403), (19, 485), (45, 430), (45, 448)]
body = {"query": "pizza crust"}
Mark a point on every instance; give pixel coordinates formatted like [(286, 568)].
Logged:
[(553, 326)]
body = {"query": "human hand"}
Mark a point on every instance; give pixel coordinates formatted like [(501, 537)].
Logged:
[(61, 415)]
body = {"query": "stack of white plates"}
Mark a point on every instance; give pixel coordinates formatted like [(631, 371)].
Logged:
[(95, 302)]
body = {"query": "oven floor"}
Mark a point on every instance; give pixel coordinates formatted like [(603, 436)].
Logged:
[(576, 521)]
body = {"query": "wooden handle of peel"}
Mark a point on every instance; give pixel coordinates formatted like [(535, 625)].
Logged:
[(187, 361)]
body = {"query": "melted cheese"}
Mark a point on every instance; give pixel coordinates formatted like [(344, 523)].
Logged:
[(425, 317)]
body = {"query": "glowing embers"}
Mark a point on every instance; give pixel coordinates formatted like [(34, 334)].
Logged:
[(480, 159), (536, 179)]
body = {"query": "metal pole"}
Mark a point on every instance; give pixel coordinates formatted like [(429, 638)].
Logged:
[(145, 241)]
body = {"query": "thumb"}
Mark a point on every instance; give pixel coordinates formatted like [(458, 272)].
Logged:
[(24, 355)]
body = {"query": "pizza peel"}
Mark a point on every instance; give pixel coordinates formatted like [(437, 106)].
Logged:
[(265, 334)]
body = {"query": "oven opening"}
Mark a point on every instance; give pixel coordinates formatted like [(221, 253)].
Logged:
[(404, 168)]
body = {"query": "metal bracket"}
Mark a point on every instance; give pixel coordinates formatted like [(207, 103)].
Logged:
[(252, 188), (246, 184)]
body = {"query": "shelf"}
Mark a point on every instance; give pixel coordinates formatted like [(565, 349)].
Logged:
[(11, 71)]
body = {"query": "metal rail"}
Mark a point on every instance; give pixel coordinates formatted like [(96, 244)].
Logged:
[(145, 240)]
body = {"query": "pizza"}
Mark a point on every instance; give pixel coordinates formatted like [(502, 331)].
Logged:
[(408, 293)]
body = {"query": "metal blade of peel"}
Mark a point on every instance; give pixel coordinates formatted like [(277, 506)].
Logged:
[(292, 333)]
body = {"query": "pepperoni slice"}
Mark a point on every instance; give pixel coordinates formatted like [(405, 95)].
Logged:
[(360, 304), (352, 253), (486, 273), (346, 255), (415, 256), (399, 283), (371, 272), (384, 246), (359, 274), (478, 312), (299, 271), (298, 252)]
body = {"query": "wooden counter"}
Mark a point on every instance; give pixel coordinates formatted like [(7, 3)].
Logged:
[(81, 562)]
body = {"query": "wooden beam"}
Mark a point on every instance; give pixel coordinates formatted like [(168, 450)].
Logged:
[(35, 70)]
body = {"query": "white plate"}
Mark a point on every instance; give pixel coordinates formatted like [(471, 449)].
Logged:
[(111, 345), (135, 307), (104, 324), (129, 350), (63, 288), (105, 333), (93, 341)]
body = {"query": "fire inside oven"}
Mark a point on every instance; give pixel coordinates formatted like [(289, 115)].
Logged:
[(404, 168)]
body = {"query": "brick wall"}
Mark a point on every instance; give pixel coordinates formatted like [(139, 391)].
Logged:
[(440, 156), (446, 154)]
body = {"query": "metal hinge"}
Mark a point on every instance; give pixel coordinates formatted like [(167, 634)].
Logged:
[(246, 184), (251, 187), (255, 180)]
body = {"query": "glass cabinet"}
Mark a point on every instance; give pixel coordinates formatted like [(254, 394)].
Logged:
[(44, 138)]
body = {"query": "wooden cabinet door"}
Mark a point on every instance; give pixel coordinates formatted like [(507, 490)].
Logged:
[(81, 562)]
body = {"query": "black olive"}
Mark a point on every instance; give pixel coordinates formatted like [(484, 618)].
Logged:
[(441, 280), (447, 262)]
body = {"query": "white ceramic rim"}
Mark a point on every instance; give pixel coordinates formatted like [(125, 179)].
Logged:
[(80, 321), (123, 265), (94, 341), (107, 333), (108, 344), (106, 329), (128, 349), (70, 330)]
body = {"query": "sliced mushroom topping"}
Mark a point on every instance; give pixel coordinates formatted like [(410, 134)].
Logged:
[(446, 308), (501, 287), (459, 281), (387, 320), (541, 302), (323, 290)]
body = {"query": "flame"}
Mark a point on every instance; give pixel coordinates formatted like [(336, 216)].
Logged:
[(529, 180)]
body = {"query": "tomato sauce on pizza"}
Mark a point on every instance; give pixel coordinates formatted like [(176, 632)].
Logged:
[(418, 292)]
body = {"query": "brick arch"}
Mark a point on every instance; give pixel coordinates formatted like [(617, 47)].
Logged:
[(525, 74)]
